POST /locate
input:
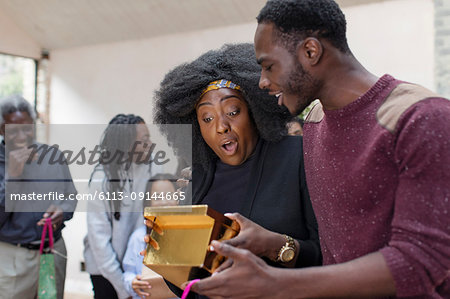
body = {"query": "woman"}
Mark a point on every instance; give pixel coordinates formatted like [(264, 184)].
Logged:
[(241, 160), (120, 172)]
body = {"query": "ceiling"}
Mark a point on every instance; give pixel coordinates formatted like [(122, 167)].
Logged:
[(58, 24)]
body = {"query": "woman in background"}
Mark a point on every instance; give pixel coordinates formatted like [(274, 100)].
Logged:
[(111, 222)]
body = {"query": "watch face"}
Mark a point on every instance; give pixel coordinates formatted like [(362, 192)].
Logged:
[(287, 255)]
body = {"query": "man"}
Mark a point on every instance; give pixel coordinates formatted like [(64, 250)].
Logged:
[(24, 172), (377, 154)]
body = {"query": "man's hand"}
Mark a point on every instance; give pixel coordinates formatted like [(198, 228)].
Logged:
[(248, 277), (17, 159), (55, 213), (141, 287), (255, 238)]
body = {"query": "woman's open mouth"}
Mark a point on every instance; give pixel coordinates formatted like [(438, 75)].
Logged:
[(229, 147)]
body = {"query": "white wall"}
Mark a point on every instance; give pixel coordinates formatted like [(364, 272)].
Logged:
[(15, 41), (395, 37), (92, 84)]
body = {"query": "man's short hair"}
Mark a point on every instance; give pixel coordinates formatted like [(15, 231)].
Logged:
[(13, 104), (296, 20)]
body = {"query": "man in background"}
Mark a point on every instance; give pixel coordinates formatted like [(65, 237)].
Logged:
[(20, 232)]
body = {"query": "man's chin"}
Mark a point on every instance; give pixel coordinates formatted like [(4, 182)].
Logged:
[(297, 109), (289, 103), (293, 111), (301, 106)]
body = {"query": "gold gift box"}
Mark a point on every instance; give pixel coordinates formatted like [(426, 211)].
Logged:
[(183, 247)]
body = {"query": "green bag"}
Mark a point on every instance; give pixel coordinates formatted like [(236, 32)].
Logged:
[(47, 284)]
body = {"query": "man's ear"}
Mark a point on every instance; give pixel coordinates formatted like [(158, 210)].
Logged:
[(310, 51)]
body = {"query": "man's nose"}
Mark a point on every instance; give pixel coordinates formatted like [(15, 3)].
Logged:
[(21, 135), (264, 83)]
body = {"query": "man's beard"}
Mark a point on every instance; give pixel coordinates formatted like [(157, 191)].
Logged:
[(303, 86)]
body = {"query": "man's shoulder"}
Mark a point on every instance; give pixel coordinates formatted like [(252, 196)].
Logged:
[(402, 98)]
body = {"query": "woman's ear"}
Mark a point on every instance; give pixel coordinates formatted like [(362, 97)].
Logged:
[(310, 51)]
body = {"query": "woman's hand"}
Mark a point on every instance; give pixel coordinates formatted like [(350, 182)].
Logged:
[(186, 177), (141, 287), (148, 239), (255, 238)]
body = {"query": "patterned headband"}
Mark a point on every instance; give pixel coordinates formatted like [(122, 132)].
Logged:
[(220, 84)]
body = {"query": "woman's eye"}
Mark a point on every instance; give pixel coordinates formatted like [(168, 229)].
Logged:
[(268, 68), (207, 119), (233, 113)]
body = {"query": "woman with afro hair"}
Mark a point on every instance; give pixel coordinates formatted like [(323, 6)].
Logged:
[(243, 162)]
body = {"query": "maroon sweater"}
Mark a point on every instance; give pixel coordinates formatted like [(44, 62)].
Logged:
[(378, 172)]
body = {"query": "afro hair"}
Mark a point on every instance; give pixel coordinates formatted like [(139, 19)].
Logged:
[(181, 88)]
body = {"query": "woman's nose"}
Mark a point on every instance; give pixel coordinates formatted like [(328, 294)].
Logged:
[(223, 126)]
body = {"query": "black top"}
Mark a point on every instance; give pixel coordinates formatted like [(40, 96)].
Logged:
[(274, 196), (229, 185)]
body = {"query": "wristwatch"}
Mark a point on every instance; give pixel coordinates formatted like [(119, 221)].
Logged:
[(287, 252)]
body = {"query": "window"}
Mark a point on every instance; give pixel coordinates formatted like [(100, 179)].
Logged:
[(18, 76)]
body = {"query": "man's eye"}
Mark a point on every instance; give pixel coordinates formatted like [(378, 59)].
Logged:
[(268, 68)]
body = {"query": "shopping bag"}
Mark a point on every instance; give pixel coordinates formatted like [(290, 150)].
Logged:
[(47, 284)]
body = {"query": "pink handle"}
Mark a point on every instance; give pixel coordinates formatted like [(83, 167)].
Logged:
[(188, 288), (48, 223)]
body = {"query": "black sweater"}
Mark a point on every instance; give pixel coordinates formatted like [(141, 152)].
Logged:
[(276, 197)]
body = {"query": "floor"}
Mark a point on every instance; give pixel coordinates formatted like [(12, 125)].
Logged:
[(76, 296)]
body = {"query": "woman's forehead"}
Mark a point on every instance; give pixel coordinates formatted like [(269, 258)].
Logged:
[(221, 95)]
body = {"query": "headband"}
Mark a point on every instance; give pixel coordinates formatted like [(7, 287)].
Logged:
[(220, 84)]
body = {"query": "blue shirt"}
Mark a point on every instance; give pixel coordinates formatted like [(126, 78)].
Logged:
[(133, 261)]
